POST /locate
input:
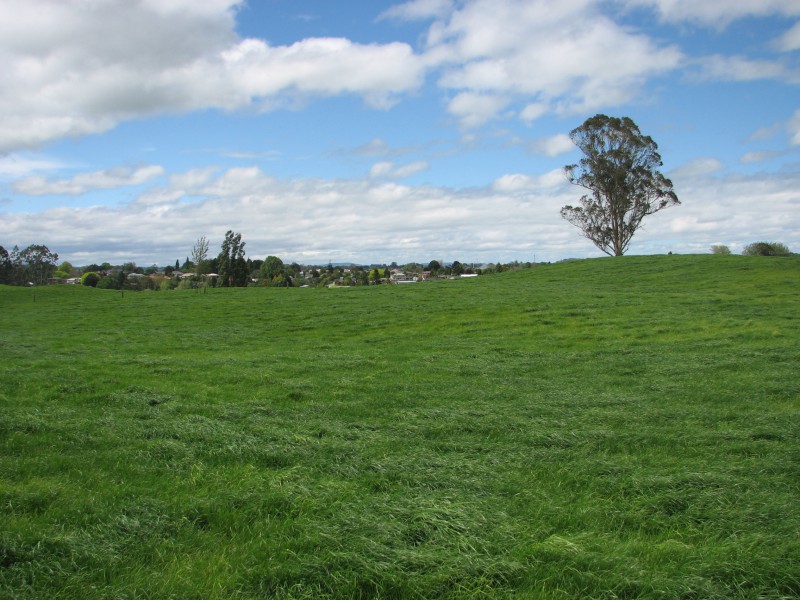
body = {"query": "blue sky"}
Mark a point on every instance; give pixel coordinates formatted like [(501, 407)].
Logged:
[(379, 131)]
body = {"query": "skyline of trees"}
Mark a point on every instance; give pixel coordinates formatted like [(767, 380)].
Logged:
[(36, 264)]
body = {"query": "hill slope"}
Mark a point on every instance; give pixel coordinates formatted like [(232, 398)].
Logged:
[(606, 428)]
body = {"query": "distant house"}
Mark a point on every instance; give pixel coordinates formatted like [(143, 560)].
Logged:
[(400, 277)]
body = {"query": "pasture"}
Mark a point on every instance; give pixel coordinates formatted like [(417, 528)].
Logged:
[(607, 428)]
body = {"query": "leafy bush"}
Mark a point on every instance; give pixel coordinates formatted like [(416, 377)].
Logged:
[(108, 283), (720, 249), (766, 249), (91, 279)]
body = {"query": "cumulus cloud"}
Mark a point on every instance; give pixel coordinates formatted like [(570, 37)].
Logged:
[(364, 220), (322, 66), (568, 55), (77, 68), (310, 220), (74, 70), (38, 185)]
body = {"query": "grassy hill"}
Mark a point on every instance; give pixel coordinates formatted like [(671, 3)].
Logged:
[(609, 428)]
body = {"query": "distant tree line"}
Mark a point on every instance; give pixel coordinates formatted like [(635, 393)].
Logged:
[(33, 265), (756, 249), (37, 265)]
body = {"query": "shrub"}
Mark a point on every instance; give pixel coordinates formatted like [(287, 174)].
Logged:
[(108, 283), (766, 249), (720, 249), (91, 279)]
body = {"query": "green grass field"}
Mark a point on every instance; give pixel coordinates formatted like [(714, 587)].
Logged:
[(608, 428)]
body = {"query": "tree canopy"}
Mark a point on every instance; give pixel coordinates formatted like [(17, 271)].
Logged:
[(199, 254), (231, 262), (272, 267), (620, 171)]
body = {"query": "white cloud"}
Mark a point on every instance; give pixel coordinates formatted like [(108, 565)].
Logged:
[(516, 182), (473, 110), (699, 167), (418, 10), (738, 68), (74, 70), (793, 127), (322, 66), (192, 179), (14, 166), (717, 14), (38, 185), (568, 55), (375, 147), (554, 145), (388, 170), (381, 169), (533, 111), (790, 40), (754, 157), (317, 220)]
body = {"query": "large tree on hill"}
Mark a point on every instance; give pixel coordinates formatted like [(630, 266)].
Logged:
[(231, 262), (620, 171)]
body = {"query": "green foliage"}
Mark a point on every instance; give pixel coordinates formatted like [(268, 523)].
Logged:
[(280, 281), (766, 249), (35, 264), (6, 267), (272, 267), (231, 262), (109, 282), (90, 279), (188, 283), (620, 170), (622, 428), (199, 255), (720, 249)]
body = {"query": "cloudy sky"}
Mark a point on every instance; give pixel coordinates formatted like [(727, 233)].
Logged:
[(379, 131)]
